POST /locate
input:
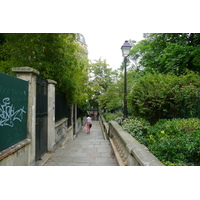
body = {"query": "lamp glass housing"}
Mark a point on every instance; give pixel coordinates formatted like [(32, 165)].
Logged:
[(126, 48)]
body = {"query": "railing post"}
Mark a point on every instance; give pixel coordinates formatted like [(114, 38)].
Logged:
[(51, 114), (29, 74)]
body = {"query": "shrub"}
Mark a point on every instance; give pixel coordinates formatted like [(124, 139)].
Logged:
[(176, 141), (112, 116), (173, 142), (157, 96), (137, 127)]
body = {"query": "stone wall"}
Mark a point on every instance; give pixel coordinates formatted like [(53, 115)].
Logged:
[(16, 155), (79, 124), (128, 150), (60, 133), (63, 133), (104, 126)]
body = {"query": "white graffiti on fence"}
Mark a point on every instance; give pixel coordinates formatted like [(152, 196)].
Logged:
[(8, 114)]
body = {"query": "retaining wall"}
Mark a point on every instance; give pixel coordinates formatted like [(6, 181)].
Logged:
[(128, 151), (104, 126), (79, 124), (16, 155), (63, 133)]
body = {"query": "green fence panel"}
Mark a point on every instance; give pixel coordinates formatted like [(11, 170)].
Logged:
[(13, 110)]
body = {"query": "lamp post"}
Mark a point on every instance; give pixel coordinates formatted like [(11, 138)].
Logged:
[(125, 52)]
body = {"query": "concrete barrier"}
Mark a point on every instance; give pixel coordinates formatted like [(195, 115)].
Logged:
[(128, 151), (80, 123), (104, 126), (62, 133), (16, 155)]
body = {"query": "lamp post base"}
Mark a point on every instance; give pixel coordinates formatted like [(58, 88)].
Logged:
[(124, 117)]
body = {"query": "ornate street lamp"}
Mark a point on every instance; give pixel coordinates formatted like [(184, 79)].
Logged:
[(125, 52)]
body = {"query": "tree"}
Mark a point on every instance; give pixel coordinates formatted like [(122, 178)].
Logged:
[(156, 96), (112, 98), (169, 52), (56, 55), (103, 83)]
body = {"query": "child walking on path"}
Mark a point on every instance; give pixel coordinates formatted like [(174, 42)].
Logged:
[(89, 123)]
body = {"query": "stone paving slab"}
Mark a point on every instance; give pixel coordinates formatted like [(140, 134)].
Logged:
[(85, 150)]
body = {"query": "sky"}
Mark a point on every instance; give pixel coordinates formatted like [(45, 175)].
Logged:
[(108, 45)]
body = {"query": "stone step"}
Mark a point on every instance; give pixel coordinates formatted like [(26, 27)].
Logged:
[(85, 150)]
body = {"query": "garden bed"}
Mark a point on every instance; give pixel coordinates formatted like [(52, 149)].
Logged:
[(174, 142)]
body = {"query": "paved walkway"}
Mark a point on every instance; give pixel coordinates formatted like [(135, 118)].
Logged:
[(86, 150)]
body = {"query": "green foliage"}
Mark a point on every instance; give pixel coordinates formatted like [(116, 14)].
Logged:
[(173, 142), (100, 74), (105, 87), (112, 98), (112, 116), (168, 52), (137, 127), (56, 56), (156, 96), (176, 141)]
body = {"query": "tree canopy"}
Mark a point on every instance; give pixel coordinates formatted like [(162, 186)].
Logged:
[(168, 52), (104, 84), (56, 56)]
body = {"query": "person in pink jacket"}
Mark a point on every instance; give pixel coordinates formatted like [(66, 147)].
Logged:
[(89, 123)]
